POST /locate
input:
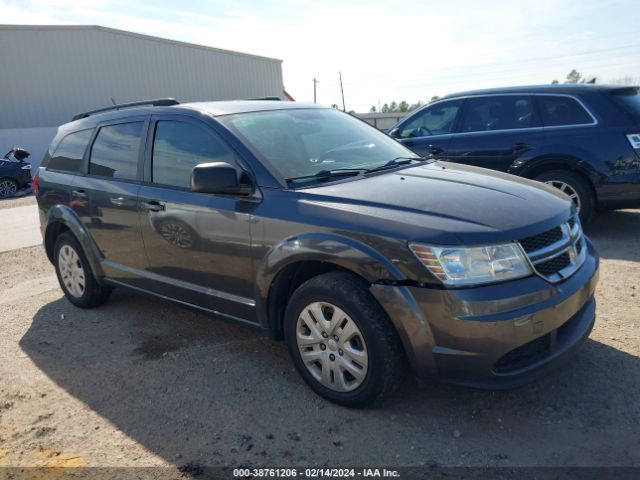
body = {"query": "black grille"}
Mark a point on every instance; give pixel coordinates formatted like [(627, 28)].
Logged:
[(525, 355), (554, 265), (541, 240)]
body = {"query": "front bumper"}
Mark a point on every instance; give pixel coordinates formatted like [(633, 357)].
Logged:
[(496, 336)]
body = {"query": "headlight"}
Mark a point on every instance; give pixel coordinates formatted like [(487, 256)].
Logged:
[(473, 265)]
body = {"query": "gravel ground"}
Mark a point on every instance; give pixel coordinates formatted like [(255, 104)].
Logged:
[(18, 201), (139, 382)]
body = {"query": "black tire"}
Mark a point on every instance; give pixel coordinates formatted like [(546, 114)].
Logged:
[(93, 293), (386, 359), (579, 186), (9, 187)]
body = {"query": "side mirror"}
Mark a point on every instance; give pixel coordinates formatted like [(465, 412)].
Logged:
[(218, 177), (394, 133)]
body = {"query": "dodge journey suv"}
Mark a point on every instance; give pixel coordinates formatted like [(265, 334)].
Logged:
[(313, 226), (582, 139)]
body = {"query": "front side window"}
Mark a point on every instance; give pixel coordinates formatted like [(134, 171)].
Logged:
[(299, 143), (435, 120), (68, 155), (559, 110), (115, 151), (505, 112), (180, 146)]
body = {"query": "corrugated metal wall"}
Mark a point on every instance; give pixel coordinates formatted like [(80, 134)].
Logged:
[(50, 73)]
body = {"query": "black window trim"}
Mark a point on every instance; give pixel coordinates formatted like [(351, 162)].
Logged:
[(147, 178), (144, 119), (456, 125)]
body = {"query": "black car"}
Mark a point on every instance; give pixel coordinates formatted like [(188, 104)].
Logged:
[(317, 228), (15, 173), (583, 139)]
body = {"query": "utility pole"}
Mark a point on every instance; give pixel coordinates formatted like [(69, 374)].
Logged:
[(315, 82), (342, 91)]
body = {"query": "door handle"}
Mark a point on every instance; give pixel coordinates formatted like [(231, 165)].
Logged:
[(520, 146), (153, 206), (79, 193), (118, 202)]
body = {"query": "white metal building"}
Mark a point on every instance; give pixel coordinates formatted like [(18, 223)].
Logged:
[(50, 73)]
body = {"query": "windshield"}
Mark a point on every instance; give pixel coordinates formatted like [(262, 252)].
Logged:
[(629, 99), (302, 143)]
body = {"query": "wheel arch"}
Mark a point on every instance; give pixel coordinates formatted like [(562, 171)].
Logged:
[(61, 219), (297, 259), (571, 164)]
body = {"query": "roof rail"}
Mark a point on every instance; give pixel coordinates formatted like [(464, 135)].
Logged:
[(159, 102), (275, 99)]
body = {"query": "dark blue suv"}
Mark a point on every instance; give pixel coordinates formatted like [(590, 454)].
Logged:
[(583, 139)]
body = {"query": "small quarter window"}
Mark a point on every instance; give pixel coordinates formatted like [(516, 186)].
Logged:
[(70, 151), (115, 151), (559, 110)]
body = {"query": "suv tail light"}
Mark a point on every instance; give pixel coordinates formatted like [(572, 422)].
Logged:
[(34, 185)]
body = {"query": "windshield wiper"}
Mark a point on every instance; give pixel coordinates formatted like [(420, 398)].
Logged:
[(396, 162), (336, 172)]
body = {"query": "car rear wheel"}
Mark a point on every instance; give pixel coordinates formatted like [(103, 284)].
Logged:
[(75, 276), (575, 188), (342, 342), (8, 187)]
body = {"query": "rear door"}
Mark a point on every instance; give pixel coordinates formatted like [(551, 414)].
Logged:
[(106, 198), (495, 130), (197, 244), (428, 131)]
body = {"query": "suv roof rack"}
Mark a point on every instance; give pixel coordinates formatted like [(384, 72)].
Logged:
[(275, 99), (159, 102)]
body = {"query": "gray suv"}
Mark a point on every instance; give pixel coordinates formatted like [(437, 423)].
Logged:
[(309, 224)]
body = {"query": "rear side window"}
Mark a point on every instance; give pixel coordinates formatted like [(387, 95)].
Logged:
[(505, 112), (115, 151), (558, 110), (180, 146), (68, 155), (435, 120)]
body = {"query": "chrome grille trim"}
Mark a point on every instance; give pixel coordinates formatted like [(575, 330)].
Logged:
[(572, 237)]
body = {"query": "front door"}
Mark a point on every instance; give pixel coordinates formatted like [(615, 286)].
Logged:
[(106, 197), (197, 244), (495, 130), (428, 131)]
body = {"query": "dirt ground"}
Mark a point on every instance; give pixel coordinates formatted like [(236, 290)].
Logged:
[(140, 382)]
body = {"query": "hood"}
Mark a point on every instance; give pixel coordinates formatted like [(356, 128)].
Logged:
[(442, 203)]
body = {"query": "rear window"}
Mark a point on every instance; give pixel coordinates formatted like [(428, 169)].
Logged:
[(629, 99), (503, 112), (70, 151), (559, 110), (115, 151)]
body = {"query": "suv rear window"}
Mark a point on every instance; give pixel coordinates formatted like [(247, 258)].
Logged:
[(69, 153), (115, 151), (560, 110), (629, 99)]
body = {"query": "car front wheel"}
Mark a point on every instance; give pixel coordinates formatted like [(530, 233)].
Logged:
[(342, 342)]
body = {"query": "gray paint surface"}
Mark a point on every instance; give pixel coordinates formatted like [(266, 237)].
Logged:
[(63, 70)]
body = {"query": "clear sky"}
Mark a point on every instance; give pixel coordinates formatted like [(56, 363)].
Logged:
[(387, 50)]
